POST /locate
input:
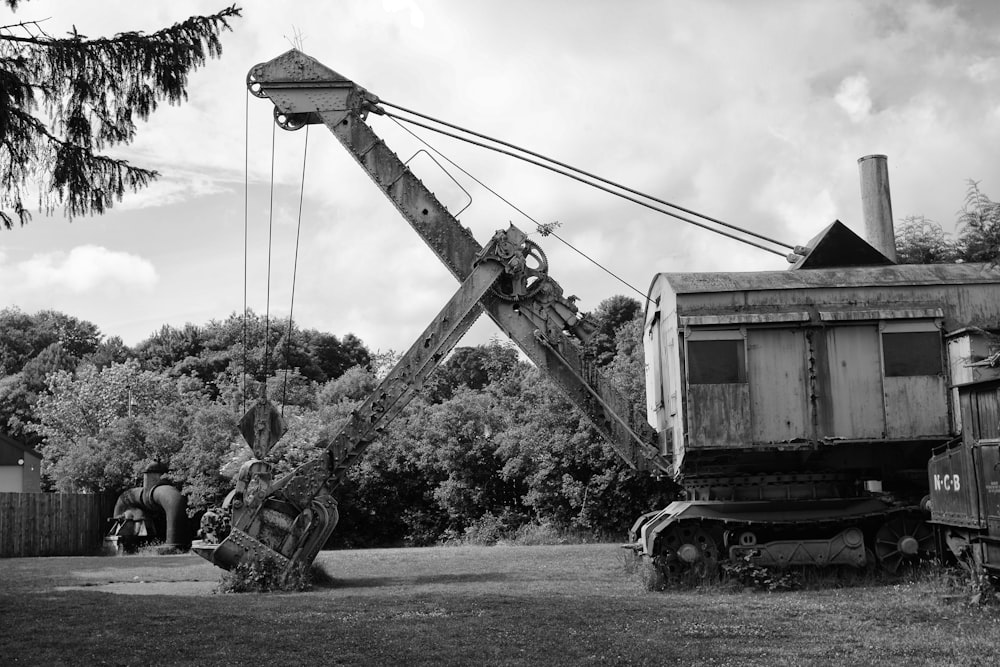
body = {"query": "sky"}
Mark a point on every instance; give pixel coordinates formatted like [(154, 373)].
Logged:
[(752, 112)]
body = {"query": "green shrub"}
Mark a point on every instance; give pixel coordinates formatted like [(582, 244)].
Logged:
[(636, 566), (264, 575), (660, 574), (533, 534), (978, 586), (508, 529), (747, 574), (485, 531)]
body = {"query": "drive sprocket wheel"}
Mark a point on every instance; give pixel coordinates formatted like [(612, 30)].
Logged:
[(903, 538), (687, 553)]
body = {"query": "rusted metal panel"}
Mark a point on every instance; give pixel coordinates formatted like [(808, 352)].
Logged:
[(985, 407), (674, 387), (744, 318), (959, 352), (916, 406), (719, 415), (667, 414), (967, 416), (656, 408), (962, 305), (987, 455), (850, 399), (979, 407), (777, 372), (879, 314), (952, 482)]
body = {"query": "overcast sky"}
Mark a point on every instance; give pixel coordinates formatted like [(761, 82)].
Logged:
[(752, 112)]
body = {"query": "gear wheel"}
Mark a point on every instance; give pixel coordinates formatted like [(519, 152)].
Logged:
[(528, 271)]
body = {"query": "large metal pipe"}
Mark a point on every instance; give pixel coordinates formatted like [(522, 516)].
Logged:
[(155, 497), (161, 499), (876, 204)]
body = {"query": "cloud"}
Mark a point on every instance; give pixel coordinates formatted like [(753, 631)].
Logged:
[(710, 104), (409, 6), (854, 97), (984, 70), (177, 187), (85, 269)]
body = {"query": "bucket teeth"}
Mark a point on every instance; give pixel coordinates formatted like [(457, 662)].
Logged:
[(237, 548)]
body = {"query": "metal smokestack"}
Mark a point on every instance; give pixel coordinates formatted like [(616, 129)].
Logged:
[(876, 204)]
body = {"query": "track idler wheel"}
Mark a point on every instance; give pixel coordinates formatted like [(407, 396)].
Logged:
[(903, 538), (687, 553)]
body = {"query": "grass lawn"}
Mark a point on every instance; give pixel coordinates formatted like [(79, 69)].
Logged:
[(550, 605)]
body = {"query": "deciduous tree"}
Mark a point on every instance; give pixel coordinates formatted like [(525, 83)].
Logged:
[(93, 413), (610, 315), (920, 240), (24, 336), (979, 226)]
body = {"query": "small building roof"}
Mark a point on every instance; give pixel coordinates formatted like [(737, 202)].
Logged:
[(12, 449)]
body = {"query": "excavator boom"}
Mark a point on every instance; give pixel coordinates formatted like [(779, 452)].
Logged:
[(290, 519), (305, 91)]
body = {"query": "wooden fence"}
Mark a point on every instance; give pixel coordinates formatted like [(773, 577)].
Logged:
[(53, 524)]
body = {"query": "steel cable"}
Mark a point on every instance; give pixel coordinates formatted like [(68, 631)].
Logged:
[(295, 271), (545, 230), (542, 159)]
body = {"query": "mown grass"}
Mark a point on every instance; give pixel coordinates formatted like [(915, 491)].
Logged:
[(465, 605)]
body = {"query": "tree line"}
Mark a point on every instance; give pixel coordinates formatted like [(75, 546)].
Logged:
[(489, 443)]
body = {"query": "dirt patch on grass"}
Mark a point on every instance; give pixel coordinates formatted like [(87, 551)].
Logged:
[(183, 588), (182, 575)]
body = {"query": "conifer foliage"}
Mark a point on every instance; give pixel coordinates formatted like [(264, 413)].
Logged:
[(63, 100)]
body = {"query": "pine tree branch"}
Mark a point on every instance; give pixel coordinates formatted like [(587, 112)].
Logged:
[(91, 90), (85, 182), (25, 26)]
